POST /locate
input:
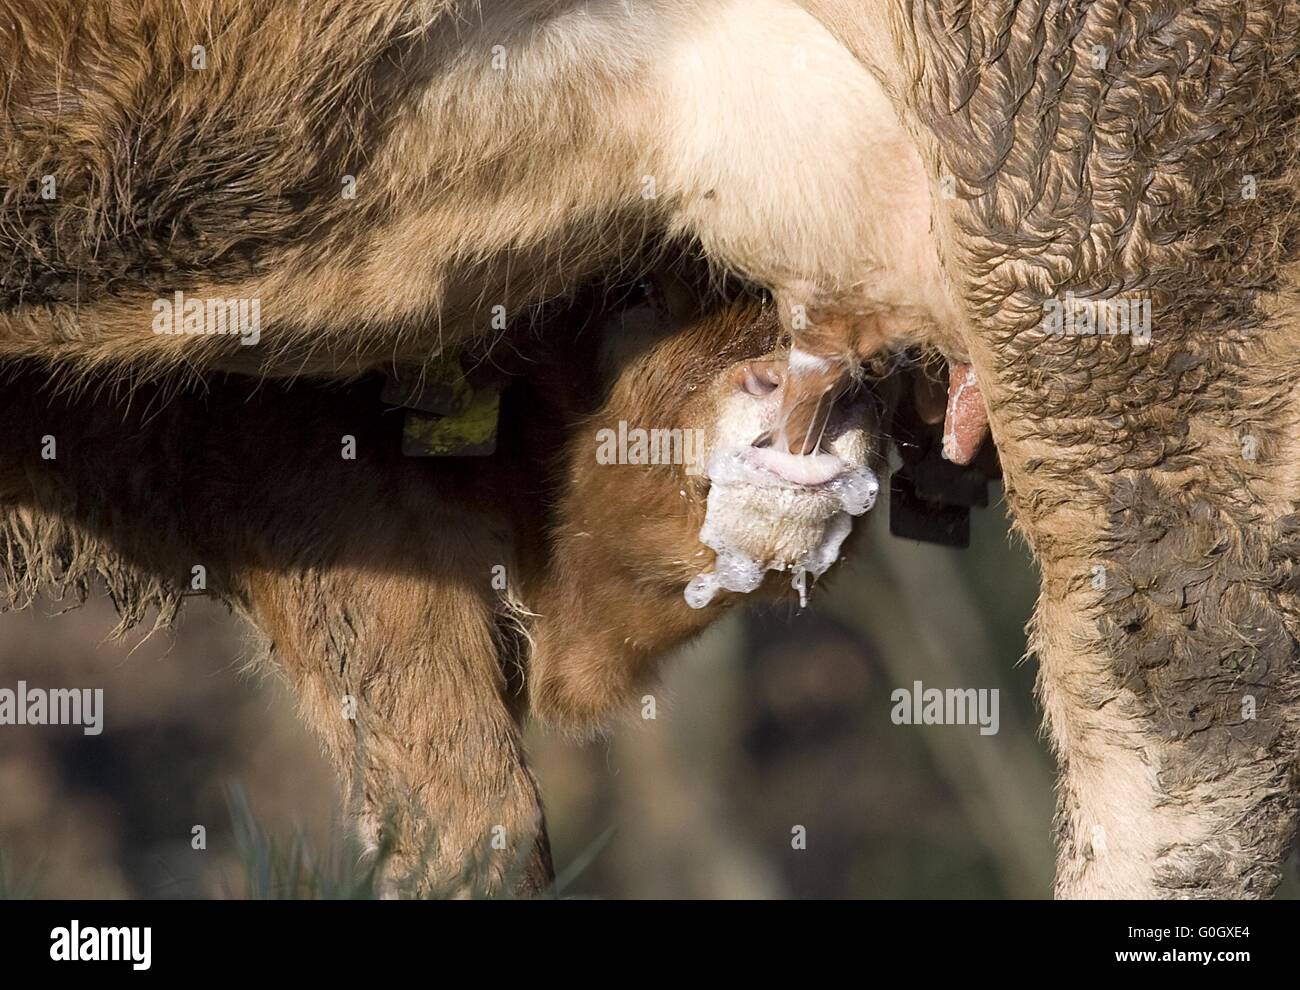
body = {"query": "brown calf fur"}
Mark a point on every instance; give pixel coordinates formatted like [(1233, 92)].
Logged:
[(438, 601)]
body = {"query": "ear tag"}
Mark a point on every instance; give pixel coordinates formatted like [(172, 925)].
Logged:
[(447, 414)]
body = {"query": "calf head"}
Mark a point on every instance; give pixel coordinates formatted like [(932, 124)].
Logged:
[(644, 555)]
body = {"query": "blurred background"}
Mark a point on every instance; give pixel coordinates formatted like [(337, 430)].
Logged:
[(775, 721)]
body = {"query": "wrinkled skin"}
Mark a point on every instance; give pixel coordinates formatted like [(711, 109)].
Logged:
[(1144, 149)]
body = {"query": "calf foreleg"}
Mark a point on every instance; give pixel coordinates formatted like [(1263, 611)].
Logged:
[(400, 675)]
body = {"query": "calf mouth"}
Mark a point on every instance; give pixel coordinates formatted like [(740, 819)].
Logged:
[(770, 510)]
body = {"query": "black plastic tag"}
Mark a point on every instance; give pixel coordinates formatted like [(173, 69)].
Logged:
[(930, 498), (930, 520)]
